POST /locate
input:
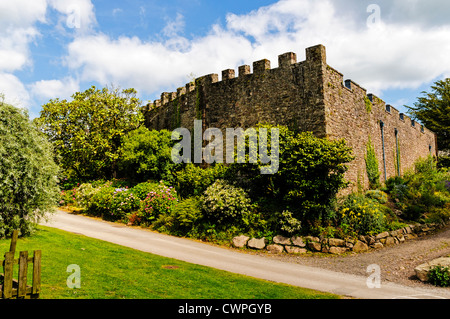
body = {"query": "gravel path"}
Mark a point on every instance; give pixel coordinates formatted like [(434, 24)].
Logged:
[(397, 262)]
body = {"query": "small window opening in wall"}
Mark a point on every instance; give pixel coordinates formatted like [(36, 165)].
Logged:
[(413, 123), (422, 129), (348, 84), (388, 108), (402, 116)]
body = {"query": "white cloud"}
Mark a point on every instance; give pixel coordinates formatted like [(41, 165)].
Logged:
[(19, 28), (392, 55), (14, 91), (21, 13), (51, 89), (406, 49), (17, 31), (150, 66)]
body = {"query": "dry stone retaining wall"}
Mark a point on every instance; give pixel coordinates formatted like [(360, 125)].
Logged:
[(301, 245)]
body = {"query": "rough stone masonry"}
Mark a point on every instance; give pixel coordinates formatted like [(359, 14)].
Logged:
[(309, 96)]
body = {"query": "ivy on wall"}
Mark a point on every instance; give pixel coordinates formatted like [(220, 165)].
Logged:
[(397, 159), (198, 113), (373, 172), (368, 104), (176, 113)]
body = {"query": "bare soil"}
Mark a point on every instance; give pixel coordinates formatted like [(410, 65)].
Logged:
[(397, 262)]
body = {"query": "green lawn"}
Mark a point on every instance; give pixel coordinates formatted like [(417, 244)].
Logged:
[(113, 271)]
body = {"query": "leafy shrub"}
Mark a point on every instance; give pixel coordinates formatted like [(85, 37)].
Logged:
[(421, 194), (288, 223), (397, 187), (68, 197), (225, 204), (435, 198), (142, 189), (84, 194), (439, 214), (101, 201), (443, 162), (380, 196), (426, 166), (360, 215), (310, 173), (158, 202), (186, 213), (185, 216), (439, 276), (67, 183), (28, 184), (413, 212), (193, 180)]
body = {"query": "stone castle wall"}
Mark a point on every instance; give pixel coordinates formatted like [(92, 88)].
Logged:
[(307, 95), (287, 95), (358, 117)]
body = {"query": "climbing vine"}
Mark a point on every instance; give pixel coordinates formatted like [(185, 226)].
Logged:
[(397, 158), (198, 113), (176, 112), (368, 104), (373, 173)]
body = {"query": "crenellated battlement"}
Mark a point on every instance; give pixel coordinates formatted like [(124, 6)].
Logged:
[(285, 60), (308, 95)]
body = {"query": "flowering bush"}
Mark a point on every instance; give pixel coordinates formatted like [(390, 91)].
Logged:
[(101, 200), (84, 194), (224, 203), (123, 202), (68, 197), (377, 195), (142, 189), (360, 215), (161, 201)]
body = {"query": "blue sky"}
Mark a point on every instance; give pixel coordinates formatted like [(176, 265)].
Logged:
[(53, 48)]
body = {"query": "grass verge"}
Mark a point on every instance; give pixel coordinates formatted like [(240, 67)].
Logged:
[(110, 271)]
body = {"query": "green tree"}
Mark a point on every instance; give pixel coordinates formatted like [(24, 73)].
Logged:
[(87, 131), (28, 173), (146, 154), (433, 111)]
